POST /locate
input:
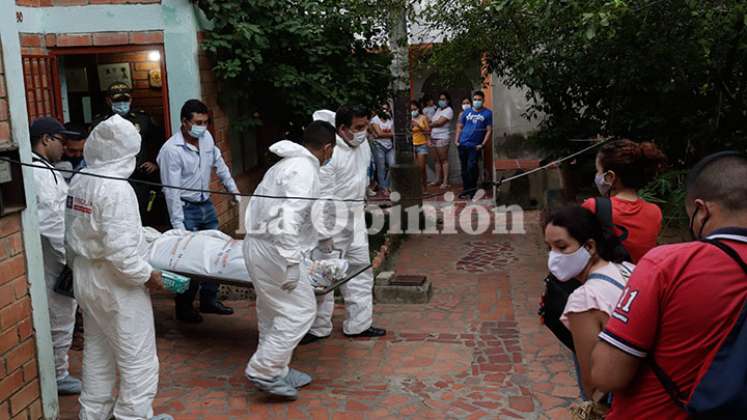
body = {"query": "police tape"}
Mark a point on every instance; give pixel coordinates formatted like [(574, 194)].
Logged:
[(489, 184)]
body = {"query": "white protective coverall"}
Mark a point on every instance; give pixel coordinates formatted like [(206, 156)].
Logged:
[(346, 177), (105, 238), (279, 232), (51, 195)]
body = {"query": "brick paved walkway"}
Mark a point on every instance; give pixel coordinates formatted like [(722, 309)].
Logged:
[(476, 351)]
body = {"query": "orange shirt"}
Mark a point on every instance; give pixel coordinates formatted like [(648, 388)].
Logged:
[(418, 136), (642, 220)]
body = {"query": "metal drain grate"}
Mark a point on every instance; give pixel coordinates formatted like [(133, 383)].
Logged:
[(407, 280)]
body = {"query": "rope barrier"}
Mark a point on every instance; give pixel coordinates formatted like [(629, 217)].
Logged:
[(218, 192)]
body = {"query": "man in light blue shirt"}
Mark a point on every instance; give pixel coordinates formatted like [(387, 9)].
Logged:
[(187, 160)]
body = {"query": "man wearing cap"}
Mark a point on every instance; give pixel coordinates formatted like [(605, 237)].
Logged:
[(150, 200), (72, 156), (47, 137)]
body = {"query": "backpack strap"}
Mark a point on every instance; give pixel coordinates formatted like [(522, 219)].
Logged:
[(608, 279), (47, 164), (677, 396), (728, 251), (604, 214)]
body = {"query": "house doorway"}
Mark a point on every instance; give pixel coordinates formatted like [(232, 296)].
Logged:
[(83, 75)]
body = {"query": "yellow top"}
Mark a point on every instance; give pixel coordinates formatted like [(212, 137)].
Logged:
[(420, 125)]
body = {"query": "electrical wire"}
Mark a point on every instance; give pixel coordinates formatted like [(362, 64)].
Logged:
[(349, 200)]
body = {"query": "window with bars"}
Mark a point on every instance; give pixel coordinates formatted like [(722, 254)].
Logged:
[(40, 81)]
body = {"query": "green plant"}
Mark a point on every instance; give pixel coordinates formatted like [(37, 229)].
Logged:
[(674, 71), (668, 190), (280, 60)]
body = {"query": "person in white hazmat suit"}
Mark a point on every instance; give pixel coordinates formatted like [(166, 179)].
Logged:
[(47, 136), (346, 178), (112, 278), (279, 233)]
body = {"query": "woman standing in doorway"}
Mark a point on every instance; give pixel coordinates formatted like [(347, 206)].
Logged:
[(420, 140), (441, 138)]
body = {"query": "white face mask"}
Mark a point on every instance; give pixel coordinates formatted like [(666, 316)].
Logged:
[(197, 131), (602, 186), (358, 138), (568, 266), (466, 107)]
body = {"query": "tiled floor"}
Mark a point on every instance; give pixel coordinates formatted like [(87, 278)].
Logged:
[(476, 350)]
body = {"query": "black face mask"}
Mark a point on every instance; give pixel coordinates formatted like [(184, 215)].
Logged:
[(75, 161), (702, 226)]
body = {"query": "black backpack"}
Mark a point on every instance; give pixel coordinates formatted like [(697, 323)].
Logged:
[(557, 292)]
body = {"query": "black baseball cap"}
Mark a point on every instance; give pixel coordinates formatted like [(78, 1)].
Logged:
[(119, 91), (50, 126)]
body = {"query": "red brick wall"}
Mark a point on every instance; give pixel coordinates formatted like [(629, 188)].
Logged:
[(227, 215), (143, 96), (4, 117), (48, 3), (19, 382)]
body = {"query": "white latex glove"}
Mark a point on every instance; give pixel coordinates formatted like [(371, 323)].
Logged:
[(292, 277)]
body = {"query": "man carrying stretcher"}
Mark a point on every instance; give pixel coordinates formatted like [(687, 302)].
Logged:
[(280, 232)]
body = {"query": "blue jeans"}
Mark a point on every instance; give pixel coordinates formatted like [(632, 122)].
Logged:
[(384, 160), (199, 216), (469, 157)]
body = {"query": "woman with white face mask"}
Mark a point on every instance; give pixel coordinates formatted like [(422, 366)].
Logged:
[(623, 168), (578, 249)]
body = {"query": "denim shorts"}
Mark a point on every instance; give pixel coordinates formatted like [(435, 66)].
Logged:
[(421, 150)]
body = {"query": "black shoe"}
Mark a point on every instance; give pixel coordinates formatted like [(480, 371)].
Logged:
[(311, 338), (189, 316), (370, 332), (215, 308)]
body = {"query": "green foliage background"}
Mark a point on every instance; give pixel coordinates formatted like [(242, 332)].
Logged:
[(672, 71), (280, 60)]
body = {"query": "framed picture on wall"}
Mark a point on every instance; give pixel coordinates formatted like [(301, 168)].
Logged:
[(154, 78), (110, 73)]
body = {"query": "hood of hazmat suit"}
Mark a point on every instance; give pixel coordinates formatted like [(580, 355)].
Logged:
[(279, 233), (285, 222), (324, 115), (108, 249), (51, 195)]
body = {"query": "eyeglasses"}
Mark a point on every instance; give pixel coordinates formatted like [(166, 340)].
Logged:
[(57, 138)]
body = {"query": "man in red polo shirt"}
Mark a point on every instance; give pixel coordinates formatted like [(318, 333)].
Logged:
[(681, 301)]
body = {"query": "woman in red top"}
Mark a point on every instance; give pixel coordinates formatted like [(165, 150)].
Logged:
[(624, 167)]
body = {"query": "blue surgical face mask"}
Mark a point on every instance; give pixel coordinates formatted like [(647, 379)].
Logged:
[(122, 108), (197, 131), (414, 114), (477, 104), (442, 103)]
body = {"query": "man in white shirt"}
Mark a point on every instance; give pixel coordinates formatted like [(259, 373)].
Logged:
[(187, 160)]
